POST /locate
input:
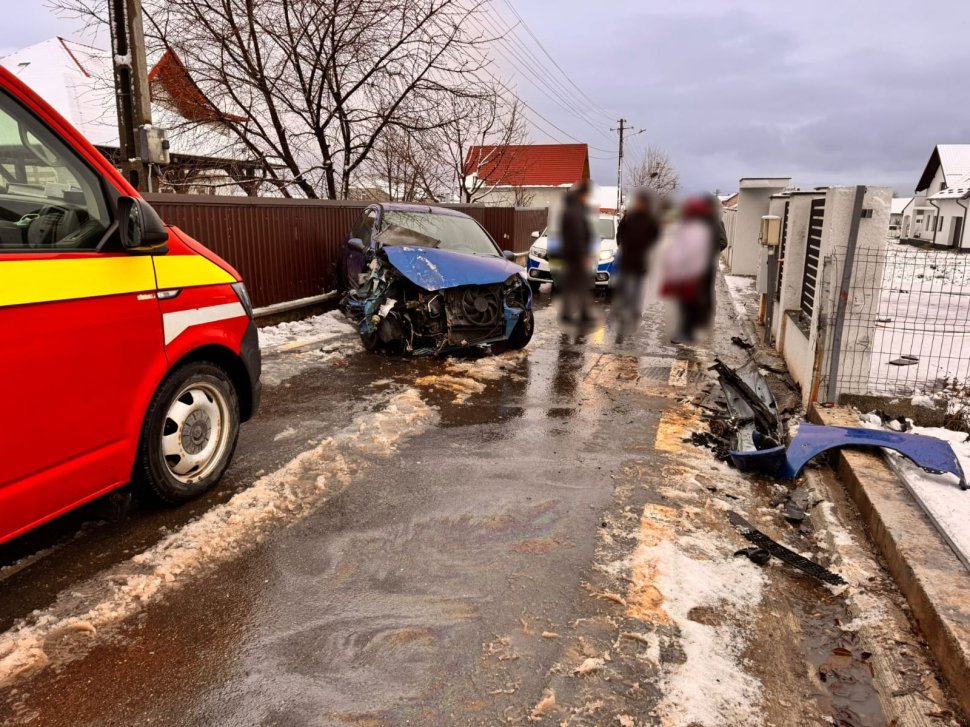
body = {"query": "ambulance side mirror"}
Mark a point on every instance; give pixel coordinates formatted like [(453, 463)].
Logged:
[(140, 228), (131, 226)]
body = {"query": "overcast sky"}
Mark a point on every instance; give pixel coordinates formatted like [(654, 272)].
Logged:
[(827, 91)]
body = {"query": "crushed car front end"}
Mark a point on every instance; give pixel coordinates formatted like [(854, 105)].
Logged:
[(424, 302)]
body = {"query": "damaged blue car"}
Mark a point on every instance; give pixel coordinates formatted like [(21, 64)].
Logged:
[(426, 280)]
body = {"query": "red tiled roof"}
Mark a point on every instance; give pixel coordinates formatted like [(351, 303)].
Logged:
[(179, 88), (532, 165)]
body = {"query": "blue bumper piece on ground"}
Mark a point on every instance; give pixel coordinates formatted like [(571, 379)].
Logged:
[(759, 460), (932, 454)]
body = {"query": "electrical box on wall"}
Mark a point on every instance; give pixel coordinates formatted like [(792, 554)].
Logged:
[(770, 235), (154, 145)]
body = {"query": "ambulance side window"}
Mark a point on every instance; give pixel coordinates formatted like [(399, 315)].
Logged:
[(50, 200)]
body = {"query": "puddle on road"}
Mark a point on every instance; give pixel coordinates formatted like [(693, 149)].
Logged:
[(842, 670)]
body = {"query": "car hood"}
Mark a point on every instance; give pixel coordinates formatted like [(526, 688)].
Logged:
[(433, 269)]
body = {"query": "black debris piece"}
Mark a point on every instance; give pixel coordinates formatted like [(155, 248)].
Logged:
[(742, 343), (759, 556), (719, 446), (904, 361), (796, 508), (779, 551)]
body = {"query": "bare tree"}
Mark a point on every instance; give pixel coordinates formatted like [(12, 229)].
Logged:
[(475, 140), (654, 171), (311, 87)]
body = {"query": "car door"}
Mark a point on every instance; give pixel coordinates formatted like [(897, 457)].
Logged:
[(364, 230), (80, 327)]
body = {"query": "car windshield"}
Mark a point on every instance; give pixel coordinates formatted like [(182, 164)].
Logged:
[(445, 232), (605, 229)]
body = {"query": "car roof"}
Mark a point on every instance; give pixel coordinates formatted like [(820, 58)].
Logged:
[(422, 208)]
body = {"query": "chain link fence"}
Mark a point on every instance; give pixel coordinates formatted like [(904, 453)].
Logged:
[(906, 330)]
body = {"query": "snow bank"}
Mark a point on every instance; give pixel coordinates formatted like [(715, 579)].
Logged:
[(330, 324)]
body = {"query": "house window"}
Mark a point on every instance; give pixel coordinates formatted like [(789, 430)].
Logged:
[(939, 227)]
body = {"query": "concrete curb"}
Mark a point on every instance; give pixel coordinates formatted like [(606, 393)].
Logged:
[(928, 573)]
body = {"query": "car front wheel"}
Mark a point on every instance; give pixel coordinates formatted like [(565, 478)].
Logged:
[(522, 333), (189, 435)]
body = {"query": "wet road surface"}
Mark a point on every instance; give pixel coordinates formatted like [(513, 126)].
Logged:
[(515, 538)]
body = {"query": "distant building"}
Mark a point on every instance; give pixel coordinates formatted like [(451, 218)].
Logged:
[(896, 213), (938, 211), (77, 80), (728, 200), (531, 175)]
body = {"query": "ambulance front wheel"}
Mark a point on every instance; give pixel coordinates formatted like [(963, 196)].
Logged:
[(189, 435)]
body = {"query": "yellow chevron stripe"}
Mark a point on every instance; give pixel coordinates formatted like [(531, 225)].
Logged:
[(47, 280), (52, 279), (186, 271)]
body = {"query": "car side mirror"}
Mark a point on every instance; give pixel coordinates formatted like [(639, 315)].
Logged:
[(140, 228), (535, 234), (355, 243), (508, 255)]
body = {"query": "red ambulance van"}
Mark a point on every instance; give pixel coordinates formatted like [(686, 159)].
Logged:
[(128, 351)]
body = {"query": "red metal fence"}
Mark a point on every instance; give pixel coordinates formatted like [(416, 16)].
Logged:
[(286, 248)]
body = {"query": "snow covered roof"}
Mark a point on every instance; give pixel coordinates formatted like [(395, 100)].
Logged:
[(899, 204), (960, 190), (76, 79), (954, 160)]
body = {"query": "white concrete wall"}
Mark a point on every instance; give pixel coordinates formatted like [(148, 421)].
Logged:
[(799, 358), (752, 206), (950, 210), (535, 196), (799, 211), (867, 280)]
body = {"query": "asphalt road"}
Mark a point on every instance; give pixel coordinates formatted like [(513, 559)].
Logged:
[(430, 542)]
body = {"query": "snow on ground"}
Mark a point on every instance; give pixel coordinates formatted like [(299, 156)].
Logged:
[(330, 324), (320, 339), (68, 628), (743, 294), (939, 495)]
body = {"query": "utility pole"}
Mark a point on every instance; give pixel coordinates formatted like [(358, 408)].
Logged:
[(622, 128), (140, 144)]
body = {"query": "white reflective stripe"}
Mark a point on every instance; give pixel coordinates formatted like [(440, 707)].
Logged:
[(179, 321)]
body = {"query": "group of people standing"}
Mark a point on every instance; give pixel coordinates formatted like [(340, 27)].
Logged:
[(686, 261)]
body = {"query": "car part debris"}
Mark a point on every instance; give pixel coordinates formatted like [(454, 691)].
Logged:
[(932, 454), (756, 555), (785, 555), (759, 435), (796, 505)]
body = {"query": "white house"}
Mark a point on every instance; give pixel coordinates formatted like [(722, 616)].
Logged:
[(76, 79), (896, 212), (938, 210)]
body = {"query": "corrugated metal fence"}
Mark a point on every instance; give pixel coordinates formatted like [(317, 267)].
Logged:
[(286, 248)]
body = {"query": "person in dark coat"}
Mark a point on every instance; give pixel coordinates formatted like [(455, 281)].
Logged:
[(576, 235), (719, 239), (636, 236)]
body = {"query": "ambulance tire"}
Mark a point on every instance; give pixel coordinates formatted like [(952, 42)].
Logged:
[(195, 402)]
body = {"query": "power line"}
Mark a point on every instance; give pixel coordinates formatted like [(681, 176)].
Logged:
[(549, 56), (535, 81), (520, 48)]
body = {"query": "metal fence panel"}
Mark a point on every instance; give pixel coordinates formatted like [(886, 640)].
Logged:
[(917, 338)]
